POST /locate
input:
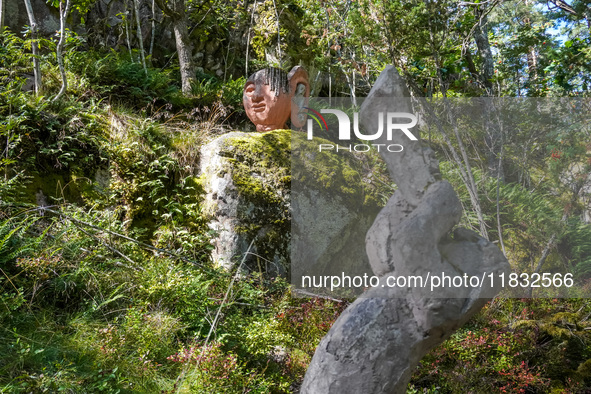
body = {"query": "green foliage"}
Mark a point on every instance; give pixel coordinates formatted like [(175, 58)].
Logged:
[(114, 75), (309, 321), (114, 317), (119, 314), (110, 312), (576, 245), (231, 94), (514, 346), (12, 60), (211, 370), (529, 218), (160, 197)]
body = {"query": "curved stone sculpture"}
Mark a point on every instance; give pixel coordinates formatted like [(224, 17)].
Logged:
[(271, 96), (375, 344)]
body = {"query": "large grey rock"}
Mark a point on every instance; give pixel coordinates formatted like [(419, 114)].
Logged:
[(379, 339), (246, 182), (15, 16), (247, 186), (335, 199)]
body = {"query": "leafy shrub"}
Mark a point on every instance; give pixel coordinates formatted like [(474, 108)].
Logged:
[(310, 320), (114, 75), (529, 218), (513, 346), (211, 370)]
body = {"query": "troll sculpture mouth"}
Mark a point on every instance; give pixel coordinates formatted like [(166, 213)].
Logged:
[(259, 107)]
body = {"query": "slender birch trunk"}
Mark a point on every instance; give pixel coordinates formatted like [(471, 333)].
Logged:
[(471, 182), (2, 12), (254, 7), (140, 36), (127, 27), (60, 48), (153, 28), (499, 227), (34, 48)]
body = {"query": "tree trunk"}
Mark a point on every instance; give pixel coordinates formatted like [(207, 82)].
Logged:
[(185, 51), (140, 36), (60, 47), (492, 137), (183, 43), (470, 64), (532, 64), (351, 87), (469, 181), (153, 29), (499, 227), (254, 7), (481, 38), (542, 260), (545, 254), (2, 7), (34, 47), (127, 27)]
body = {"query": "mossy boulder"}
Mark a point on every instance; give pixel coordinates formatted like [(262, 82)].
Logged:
[(247, 178)]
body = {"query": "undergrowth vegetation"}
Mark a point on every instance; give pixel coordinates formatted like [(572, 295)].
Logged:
[(84, 305), (515, 346)]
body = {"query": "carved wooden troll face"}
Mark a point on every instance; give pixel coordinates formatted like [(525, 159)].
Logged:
[(270, 97)]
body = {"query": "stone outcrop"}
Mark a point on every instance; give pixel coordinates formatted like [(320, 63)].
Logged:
[(246, 180), (247, 183), (335, 199), (379, 339)]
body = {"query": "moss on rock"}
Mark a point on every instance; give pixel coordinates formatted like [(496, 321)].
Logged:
[(246, 178), (261, 165), (356, 177)]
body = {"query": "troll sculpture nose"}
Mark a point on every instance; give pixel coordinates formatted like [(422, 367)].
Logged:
[(257, 94)]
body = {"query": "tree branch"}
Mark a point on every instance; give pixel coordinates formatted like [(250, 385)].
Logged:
[(166, 9), (563, 6)]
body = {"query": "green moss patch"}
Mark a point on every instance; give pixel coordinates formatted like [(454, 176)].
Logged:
[(356, 178), (261, 165)]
